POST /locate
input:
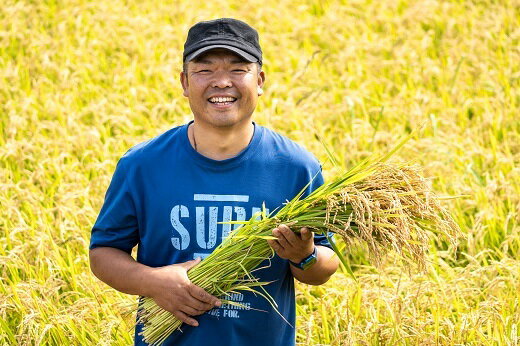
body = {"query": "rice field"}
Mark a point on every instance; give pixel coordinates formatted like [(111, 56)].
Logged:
[(82, 81)]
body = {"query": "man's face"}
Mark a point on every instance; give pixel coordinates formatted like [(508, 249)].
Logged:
[(222, 88)]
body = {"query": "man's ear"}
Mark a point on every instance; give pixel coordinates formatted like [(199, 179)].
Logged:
[(261, 79), (184, 83)]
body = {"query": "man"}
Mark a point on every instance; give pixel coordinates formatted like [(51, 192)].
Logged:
[(169, 195)]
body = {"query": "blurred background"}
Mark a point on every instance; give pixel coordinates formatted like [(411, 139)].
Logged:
[(83, 81)]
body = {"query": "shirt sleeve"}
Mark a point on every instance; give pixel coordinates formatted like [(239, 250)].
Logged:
[(116, 225)]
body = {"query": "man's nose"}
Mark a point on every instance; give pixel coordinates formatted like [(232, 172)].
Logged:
[(222, 79)]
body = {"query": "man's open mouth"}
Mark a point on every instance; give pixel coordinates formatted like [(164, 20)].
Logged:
[(222, 100)]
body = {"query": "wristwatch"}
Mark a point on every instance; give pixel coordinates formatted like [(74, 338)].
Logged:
[(308, 261)]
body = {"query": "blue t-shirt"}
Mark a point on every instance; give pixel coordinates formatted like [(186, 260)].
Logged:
[(168, 199)]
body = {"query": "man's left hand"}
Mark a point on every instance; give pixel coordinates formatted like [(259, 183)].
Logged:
[(290, 245)]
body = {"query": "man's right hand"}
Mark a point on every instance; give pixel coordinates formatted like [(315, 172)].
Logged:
[(169, 286), (173, 291)]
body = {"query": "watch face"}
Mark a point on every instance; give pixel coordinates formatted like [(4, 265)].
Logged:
[(309, 262)]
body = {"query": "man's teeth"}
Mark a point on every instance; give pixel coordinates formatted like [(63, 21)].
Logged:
[(221, 99)]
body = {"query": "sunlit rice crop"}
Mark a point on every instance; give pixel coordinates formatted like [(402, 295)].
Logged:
[(83, 81)]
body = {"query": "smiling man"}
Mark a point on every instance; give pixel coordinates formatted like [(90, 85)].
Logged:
[(173, 195)]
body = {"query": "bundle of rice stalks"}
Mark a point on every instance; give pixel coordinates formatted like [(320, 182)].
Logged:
[(390, 207)]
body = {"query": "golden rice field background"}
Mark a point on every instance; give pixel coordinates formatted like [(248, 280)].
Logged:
[(82, 81)]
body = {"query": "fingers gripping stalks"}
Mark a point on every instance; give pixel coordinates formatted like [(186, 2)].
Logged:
[(176, 294), (291, 245)]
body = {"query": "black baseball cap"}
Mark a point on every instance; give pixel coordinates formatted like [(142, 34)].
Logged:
[(227, 33)]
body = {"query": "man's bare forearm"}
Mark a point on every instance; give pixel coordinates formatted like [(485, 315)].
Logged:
[(321, 271), (120, 270)]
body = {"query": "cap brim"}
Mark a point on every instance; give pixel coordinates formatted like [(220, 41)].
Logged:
[(246, 56)]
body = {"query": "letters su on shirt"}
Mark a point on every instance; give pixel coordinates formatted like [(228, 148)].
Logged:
[(210, 220)]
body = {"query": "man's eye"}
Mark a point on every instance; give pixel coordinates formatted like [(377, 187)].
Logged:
[(203, 71), (239, 70)]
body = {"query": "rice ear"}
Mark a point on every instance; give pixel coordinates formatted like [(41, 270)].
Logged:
[(386, 206)]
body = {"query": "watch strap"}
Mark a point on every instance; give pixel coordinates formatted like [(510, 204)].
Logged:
[(308, 261)]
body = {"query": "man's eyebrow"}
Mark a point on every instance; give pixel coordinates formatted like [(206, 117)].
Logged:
[(202, 61), (239, 61)]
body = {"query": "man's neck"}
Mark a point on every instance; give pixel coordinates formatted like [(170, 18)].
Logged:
[(220, 143)]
